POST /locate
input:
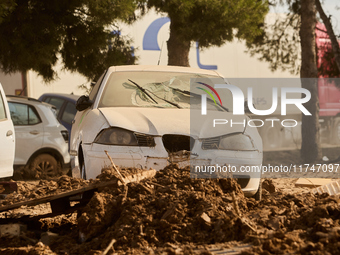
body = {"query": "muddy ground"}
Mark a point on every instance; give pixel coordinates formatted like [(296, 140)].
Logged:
[(172, 213)]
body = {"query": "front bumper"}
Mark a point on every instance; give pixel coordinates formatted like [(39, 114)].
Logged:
[(155, 158)]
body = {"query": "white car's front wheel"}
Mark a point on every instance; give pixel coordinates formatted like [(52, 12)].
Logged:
[(258, 194), (82, 164), (82, 171), (44, 166)]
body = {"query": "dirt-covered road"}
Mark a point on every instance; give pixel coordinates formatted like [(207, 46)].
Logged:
[(172, 213)]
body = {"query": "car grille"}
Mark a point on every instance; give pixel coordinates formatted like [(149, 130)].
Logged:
[(174, 143), (145, 140), (210, 143)]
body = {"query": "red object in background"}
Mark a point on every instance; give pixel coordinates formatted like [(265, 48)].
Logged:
[(323, 44), (329, 94), (329, 98)]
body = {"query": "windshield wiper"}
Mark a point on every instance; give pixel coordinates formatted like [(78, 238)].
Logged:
[(143, 90), (169, 102), (185, 92)]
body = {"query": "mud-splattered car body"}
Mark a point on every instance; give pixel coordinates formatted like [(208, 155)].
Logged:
[(138, 115)]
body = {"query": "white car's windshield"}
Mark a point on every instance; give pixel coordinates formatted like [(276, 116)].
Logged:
[(157, 89)]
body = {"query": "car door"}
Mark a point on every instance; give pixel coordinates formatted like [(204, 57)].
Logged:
[(29, 131), (7, 138)]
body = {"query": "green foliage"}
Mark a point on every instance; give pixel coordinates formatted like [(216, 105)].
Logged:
[(213, 22), (280, 44), (6, 7), (36, 32), (79, 55)]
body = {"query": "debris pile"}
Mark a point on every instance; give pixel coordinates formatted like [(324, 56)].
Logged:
[(297, 224), (172, 213), (28, 191), (171, 207)]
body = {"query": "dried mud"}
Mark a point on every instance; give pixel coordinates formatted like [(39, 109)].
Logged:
[(27, 191), (172, 213)]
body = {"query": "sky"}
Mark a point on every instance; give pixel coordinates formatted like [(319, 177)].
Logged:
[(332, 7)]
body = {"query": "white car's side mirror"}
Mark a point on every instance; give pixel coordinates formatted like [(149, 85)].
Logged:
[(83, 103)]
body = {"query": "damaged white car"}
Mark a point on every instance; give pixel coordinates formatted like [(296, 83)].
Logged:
[(144, 116)]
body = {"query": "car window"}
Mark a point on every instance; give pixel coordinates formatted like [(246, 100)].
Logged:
[(69, 112), (96, 87), (45, 99), (23, 114), (57, 102), (33, 118), (2, 108)]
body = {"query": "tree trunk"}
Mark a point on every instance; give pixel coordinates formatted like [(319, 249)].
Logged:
[(24, 91), (330, 32), (310, 147), (178, 49)]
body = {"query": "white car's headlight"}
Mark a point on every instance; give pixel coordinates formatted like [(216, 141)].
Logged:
[(237, 142), (123, 137), (116, 136)]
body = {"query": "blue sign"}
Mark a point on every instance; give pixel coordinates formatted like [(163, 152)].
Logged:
[(150, 41)]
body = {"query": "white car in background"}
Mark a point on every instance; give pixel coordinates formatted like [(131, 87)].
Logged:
[(7, 138), (41, 141), (141, 115)]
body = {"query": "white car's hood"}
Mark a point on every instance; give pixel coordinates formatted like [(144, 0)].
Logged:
[(160, 121)]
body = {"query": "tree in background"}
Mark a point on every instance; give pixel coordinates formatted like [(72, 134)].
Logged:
[(280, 45), (310, 129), (289, 44), (35, 33), (209, 22)]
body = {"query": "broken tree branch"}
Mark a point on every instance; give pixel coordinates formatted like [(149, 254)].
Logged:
[(121, 178), (236, 208), (156, 184), (109, 247), (238, 213)]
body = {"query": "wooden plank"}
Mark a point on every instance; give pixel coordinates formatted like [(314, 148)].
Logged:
[(332, 188), (45, 199), (312, 182), (26, 219), (140, 176)]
